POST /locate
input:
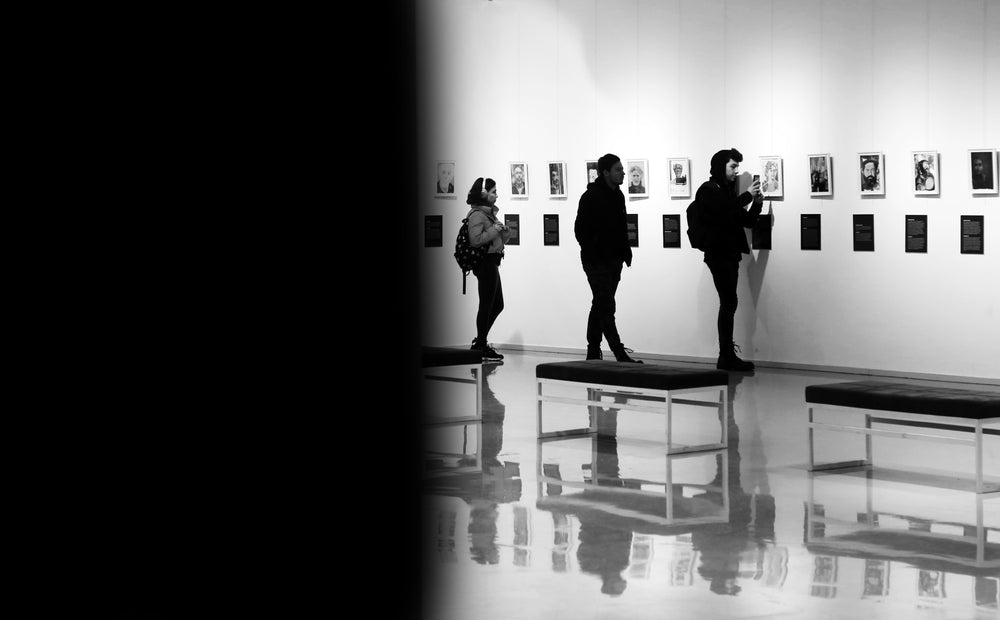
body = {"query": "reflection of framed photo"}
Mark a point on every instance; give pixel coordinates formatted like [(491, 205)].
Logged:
[(592, 173), (680, 184), (445, 178), (518, 179), (557, 179), (925, 173), (772, 182), (871, 173), (636, 178), (983, 171), (821, 175)]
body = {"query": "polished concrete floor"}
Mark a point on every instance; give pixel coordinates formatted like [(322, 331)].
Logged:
[(608, 526)]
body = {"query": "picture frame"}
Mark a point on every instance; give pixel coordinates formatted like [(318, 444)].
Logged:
[(926, 176), (592, 173), (557, 179), (445, 184), (518, 179), (637, 178), (820, 174), (871, 173), (772, 179), (680, 177), (983, 171)]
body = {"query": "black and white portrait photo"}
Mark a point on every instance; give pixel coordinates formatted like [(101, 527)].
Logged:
[(820, 176), (871, 170), (772, 182), (680, 186), (445, 178), (591, 171), (518, 179), (925, 173), (636, 181), (983, 171), (557, 179)]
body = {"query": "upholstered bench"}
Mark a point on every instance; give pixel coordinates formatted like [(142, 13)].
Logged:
[(647, 383), (445, 364), (922, 406)]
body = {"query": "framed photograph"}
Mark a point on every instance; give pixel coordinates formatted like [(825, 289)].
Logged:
[(821, 175), (925, 173), (983, 171), (591, 171), (636, 178), (518, 179), (680, 185), (871, 173), (772, 182), (557, 179), (445, 178)]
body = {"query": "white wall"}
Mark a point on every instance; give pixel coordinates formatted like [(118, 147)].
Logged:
[(541, 80)]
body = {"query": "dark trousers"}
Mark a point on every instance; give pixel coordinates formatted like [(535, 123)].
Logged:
[(725, 273), (490, 295), (603, 280)]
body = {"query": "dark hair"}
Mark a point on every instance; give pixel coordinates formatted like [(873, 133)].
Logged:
[(606, 161), (718, 168), (476, 192)]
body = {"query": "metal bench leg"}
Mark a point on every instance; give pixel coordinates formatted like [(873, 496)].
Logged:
[(812, 455)]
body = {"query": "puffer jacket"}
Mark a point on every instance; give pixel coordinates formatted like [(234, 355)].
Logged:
[(481, 230)]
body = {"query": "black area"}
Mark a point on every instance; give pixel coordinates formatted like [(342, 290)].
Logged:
[(632, 227), (550, 229), (671, 230), (916, 233), (433, 231), (761, 232), (864, 232), (810, 231), (972, 238), (513, 222)]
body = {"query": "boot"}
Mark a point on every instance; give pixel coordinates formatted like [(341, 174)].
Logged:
[(621, 354), (728, 360), (594, 353)]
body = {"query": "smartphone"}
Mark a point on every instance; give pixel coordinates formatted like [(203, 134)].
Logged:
[(756, 177)]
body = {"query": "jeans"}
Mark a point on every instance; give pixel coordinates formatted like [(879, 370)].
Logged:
[(725, 272), (603, 280), (490, 295)]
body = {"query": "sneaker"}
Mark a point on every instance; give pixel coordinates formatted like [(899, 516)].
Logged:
[(621, 354), (728, 360), (490, 354)]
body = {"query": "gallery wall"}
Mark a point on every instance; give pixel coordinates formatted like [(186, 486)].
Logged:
[(565, 80)]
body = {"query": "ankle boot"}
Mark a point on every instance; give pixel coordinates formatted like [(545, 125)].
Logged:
[(594, 353), (621, 354), (728, 360)]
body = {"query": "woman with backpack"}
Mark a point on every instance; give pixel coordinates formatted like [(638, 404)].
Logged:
[(486, 230)]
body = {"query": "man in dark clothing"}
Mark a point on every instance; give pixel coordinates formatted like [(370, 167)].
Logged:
[(725, 242), (602, 231)]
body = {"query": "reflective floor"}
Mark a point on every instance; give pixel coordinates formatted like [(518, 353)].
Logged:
[(608, 526)]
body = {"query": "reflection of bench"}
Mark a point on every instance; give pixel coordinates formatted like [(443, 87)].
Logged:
[(658, 384), (928, 407), (444, 364)]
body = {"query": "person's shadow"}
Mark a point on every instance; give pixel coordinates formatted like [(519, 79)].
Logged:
[(751, 517)]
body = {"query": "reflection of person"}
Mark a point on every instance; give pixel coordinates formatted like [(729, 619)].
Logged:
[(555, 180), (819, 177), (604, 550), (979, 178), (725, 242), (517, 180), (485, 229), (446, 178), (924, 179), (869, 174), (751, 517), (601, 229), (679, 177), (635, 185)]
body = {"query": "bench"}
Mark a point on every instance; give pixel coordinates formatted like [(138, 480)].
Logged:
[(444, 364), (653, 383), (921, 406)]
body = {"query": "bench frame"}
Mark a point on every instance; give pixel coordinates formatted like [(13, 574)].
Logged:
[(664, 399), (975, 426)]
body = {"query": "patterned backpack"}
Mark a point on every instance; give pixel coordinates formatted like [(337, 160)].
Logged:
[(468, 257)]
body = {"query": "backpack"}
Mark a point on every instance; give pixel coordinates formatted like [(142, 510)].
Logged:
[(467, 257), (696, 227)]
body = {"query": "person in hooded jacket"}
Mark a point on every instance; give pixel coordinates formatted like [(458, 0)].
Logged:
[(724, 218), (602, 232), (486, 229)]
